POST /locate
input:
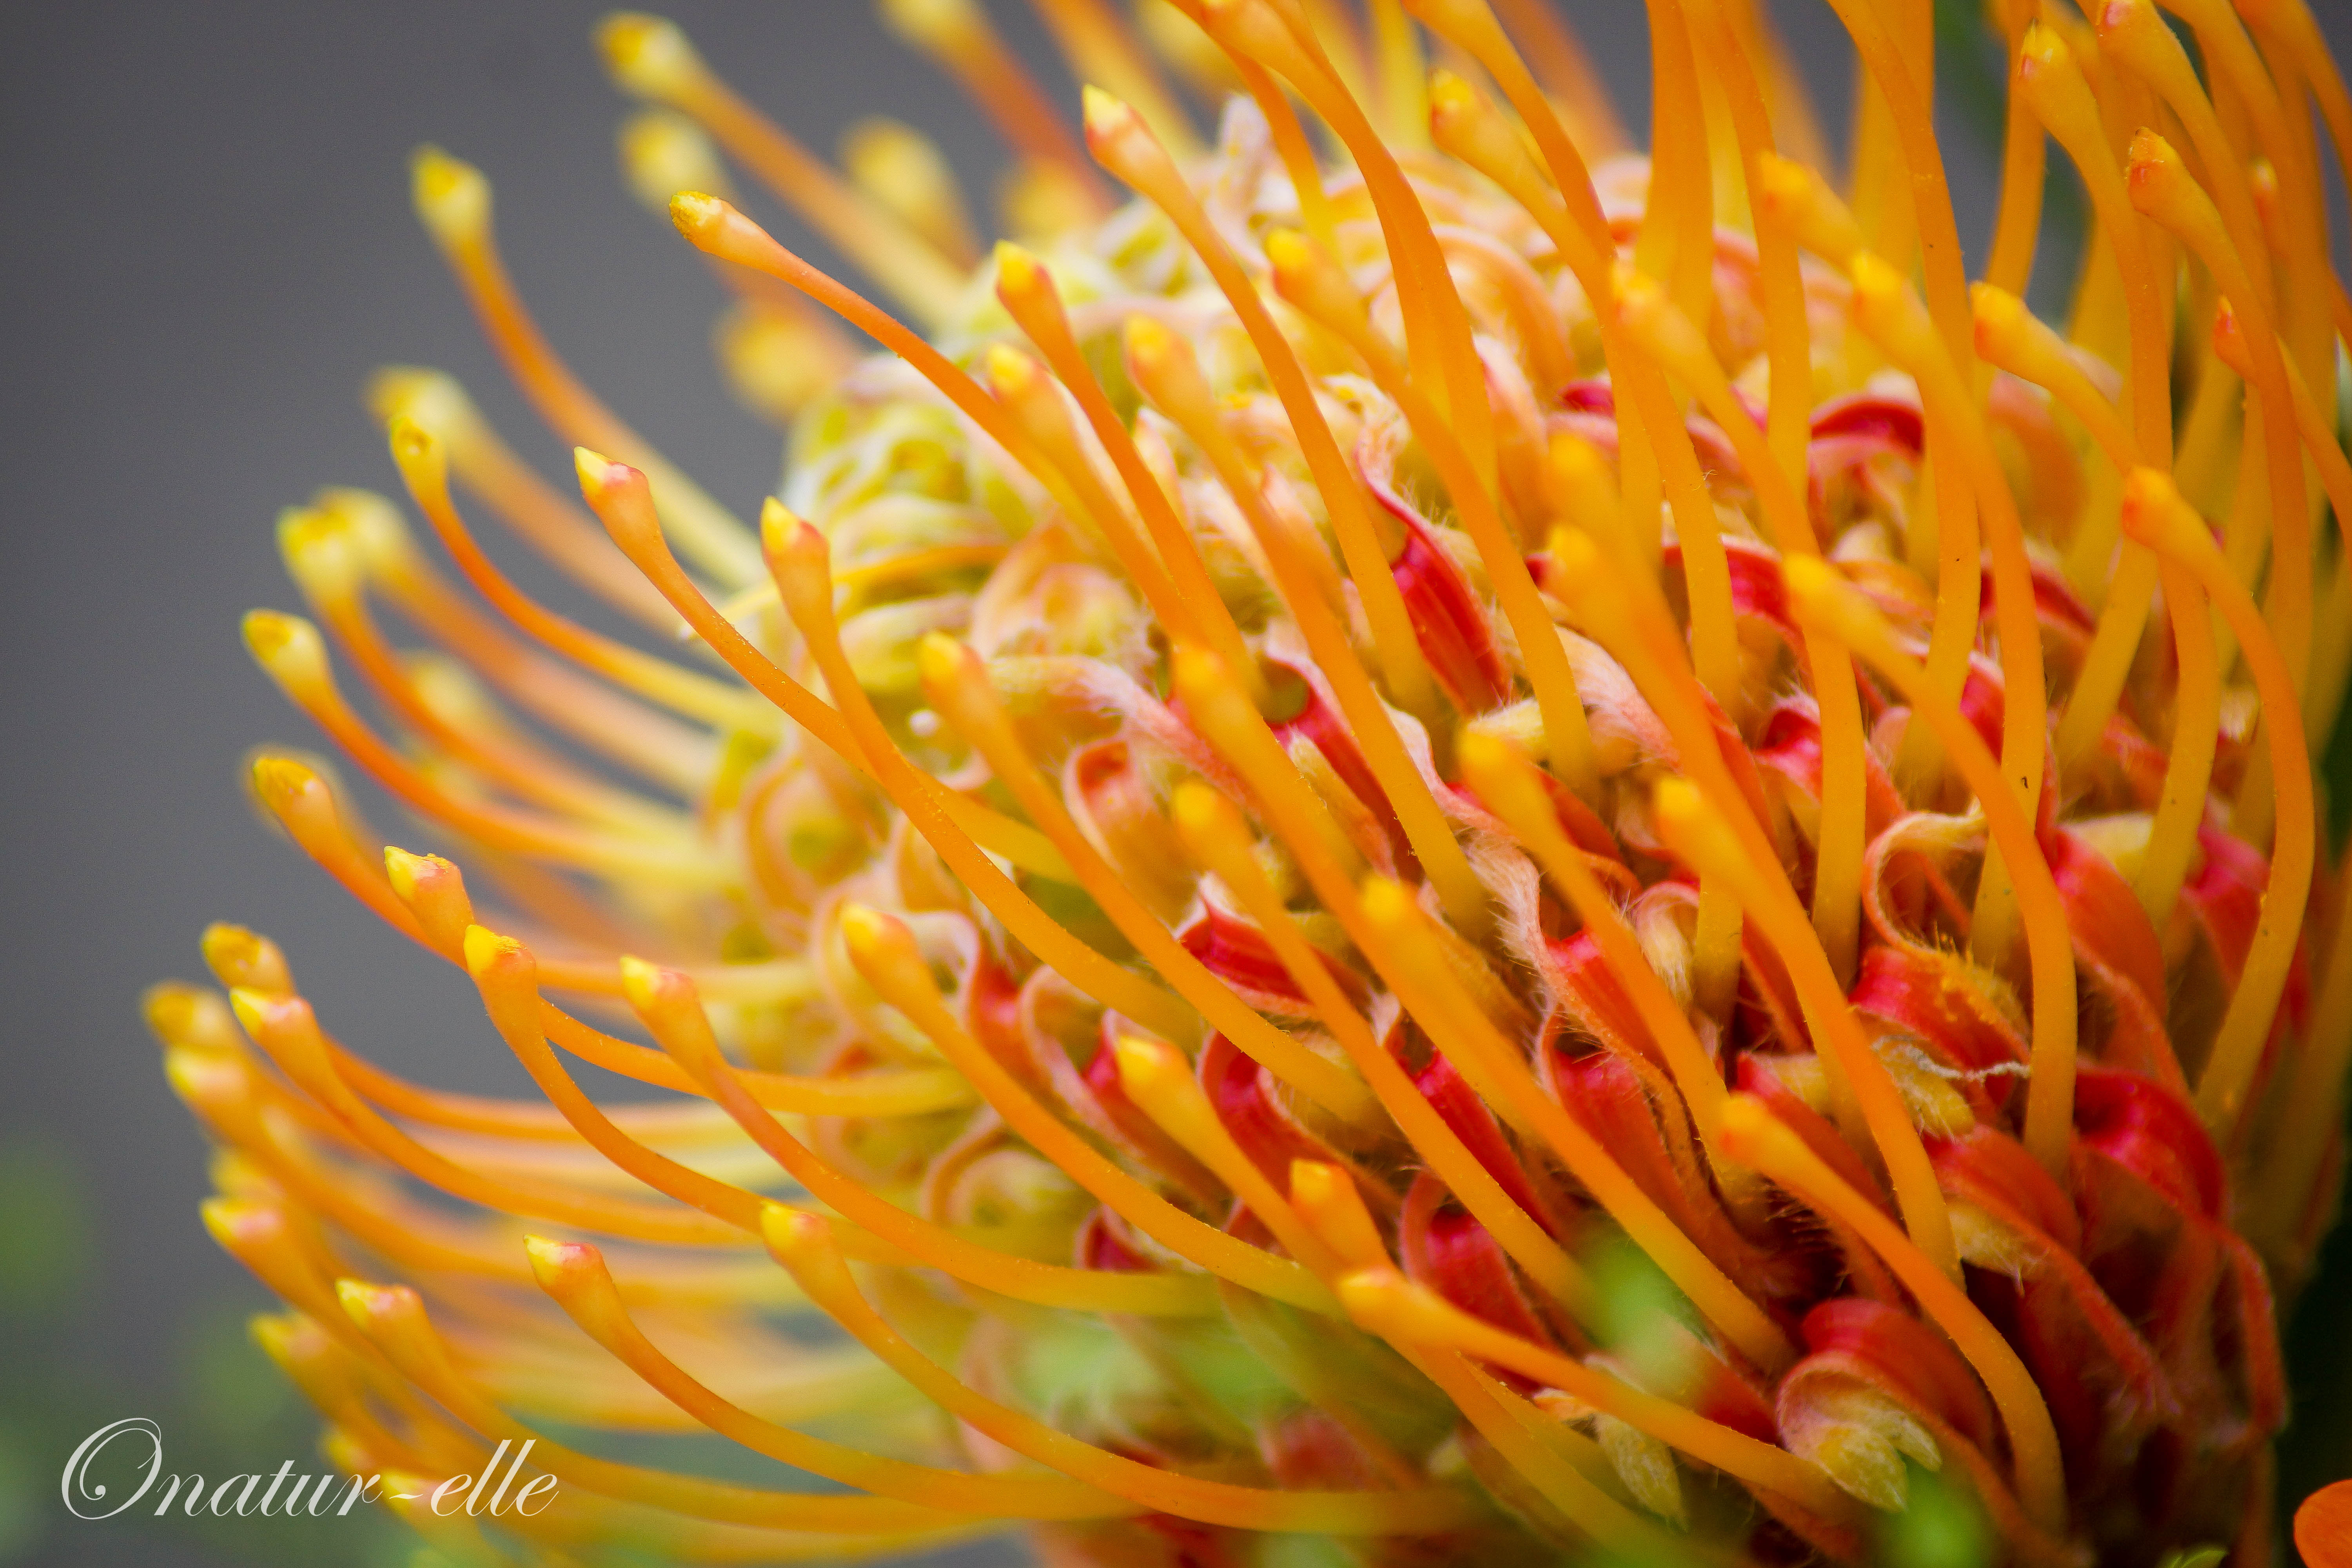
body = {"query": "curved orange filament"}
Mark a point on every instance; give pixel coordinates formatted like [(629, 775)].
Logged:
[(809, 1253), (885, 954), (2154, 511), (1675, 341), (665, 1001), (1312, 282), (1437, 329), (1905, 88), (2134, 35), (320, 557), (1628, 613), (1100, 47), (714, 227), (574, 1274), (1158, 1081), (453, 201), (2243, 83), (1789, 353), (1817, 593), (1880, 309), (2024, 164), (1697, 835), (2165, 190), (1390, 1305), (653, 60), (805, 583), (957, 683), (284, 1027), (290, 651), (512, 489), (1295, 562), (1394, 937), (2036, 1464), (1470, 129), (408, 1235), (1557, 60), (1028, 292), (2007, 336), (1219, 840), (2312, 423), (1507, 788), (1142, 165), (1546, 1454), (1676, 244), (1031, 397), (394, 1320), (651, 745), (423, 465), (957, 34)]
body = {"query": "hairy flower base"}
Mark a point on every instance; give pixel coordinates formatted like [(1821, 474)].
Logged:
[(1445, 845)]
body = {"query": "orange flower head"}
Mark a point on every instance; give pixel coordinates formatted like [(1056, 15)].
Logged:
[(1419, 841)]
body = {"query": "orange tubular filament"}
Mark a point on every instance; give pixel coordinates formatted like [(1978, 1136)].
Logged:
[(1674, 339), (957, 34), (1219, 840), (423, 466), (1027, 290), (1121, 139), (652, 59), (957, 683), (284, 1027), (1760, 1140), (1392, 934), (2154, 512), (1437, 329), (885, 953), (453, 201), (1393, 1306), (664, 1000), (574, 1274), (1819, 594), (393, 1319), (1698, 835), (1883, 308), (290, 651), (2009, 337), (1312, 281), (809, 1253), (2163, 189)]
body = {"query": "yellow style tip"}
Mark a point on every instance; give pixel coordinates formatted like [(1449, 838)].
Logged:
[(242, 1225), (376, 1307), (490, 956), (288, 647), (432, 398), (697, 215), (932, 24), (1018, 270), (1147, 1070), (320, 552), (794, 1235), (452, 197), (1012, 374), (245, 960), (646, 55), (561, 1267), (662, 153)]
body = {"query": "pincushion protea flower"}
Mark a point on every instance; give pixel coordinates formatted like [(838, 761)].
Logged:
[(1441, 845)]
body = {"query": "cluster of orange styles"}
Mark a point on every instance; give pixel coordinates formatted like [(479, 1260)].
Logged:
[(1420, 841)]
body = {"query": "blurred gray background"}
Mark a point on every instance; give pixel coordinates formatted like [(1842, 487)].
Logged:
[(205, 245)]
